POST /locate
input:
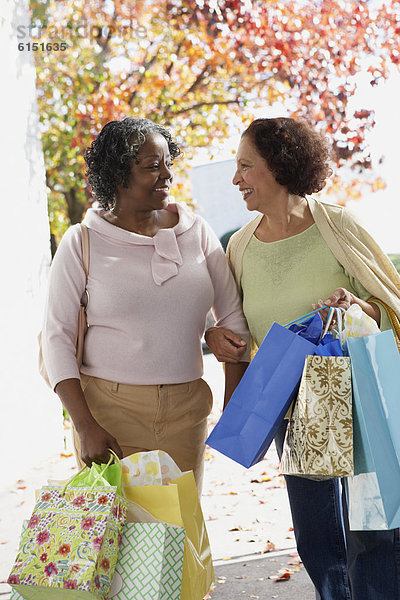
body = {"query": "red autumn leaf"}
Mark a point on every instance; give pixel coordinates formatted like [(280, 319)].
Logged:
[(283, 575)]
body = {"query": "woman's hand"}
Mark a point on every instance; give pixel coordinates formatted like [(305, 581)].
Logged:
[(226, 345), (342, 298), (95, 443)]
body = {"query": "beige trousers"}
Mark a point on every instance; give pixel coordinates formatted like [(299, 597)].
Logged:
[(169, 417)]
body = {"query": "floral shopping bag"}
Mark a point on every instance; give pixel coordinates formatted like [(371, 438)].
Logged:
[(70, 544)]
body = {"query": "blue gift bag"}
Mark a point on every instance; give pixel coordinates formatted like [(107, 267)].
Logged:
[(260, 401), (373, 494), (309, 328)]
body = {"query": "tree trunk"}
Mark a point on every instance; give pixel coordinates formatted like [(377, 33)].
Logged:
[(75, 207)]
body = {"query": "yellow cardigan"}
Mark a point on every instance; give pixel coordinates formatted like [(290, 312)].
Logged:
[(352, 246)]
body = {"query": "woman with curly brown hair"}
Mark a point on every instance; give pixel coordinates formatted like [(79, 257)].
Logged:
[(300, 253), (155, 271)]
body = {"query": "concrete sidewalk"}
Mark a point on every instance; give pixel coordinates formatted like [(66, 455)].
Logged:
[(246, 512), (278, 575)]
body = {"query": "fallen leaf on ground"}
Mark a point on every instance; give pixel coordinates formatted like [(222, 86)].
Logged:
[(236, 528), (66, 454), (269, 547), (283, 575), (260, 480)]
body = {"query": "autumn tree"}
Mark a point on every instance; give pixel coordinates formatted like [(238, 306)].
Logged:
[(201, 67)]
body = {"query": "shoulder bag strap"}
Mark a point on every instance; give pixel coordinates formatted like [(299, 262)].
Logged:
[(85, 262), (85, 249), (391, 314)]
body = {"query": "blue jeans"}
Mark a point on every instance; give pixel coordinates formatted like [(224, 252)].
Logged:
[(342, 564)]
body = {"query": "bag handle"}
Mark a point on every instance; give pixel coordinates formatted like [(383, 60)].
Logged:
[(99, 475), (394, 320), (85, 249), (339, 318), (305, 317), (328, 321), (85, 262)]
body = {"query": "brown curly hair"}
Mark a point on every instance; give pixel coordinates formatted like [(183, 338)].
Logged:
[(295, 152)]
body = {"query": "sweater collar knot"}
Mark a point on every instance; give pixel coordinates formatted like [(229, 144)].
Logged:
[(166, 257)]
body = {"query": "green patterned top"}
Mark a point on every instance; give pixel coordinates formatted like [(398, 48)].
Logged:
[(281, 280)]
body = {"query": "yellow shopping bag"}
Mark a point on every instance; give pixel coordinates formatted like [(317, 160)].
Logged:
[(174, 501)]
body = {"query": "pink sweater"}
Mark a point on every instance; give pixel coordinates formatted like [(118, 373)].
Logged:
[(148, 301)]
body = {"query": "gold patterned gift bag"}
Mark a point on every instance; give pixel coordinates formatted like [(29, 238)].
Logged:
[(319, 438)]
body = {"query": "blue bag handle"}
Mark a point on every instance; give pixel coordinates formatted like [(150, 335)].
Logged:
[(305, 317), (339, 312)]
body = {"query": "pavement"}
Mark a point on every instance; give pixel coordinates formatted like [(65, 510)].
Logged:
[(246, 513), (278, 576)]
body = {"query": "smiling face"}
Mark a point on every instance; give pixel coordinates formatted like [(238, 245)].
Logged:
[(150, 178), (254, 178)]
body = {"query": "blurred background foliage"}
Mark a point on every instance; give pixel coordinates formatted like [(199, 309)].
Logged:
[(202, 68)]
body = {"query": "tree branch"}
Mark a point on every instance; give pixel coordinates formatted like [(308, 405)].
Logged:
[(171, 64), (197, 81), (200, 104), (146, 67)]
